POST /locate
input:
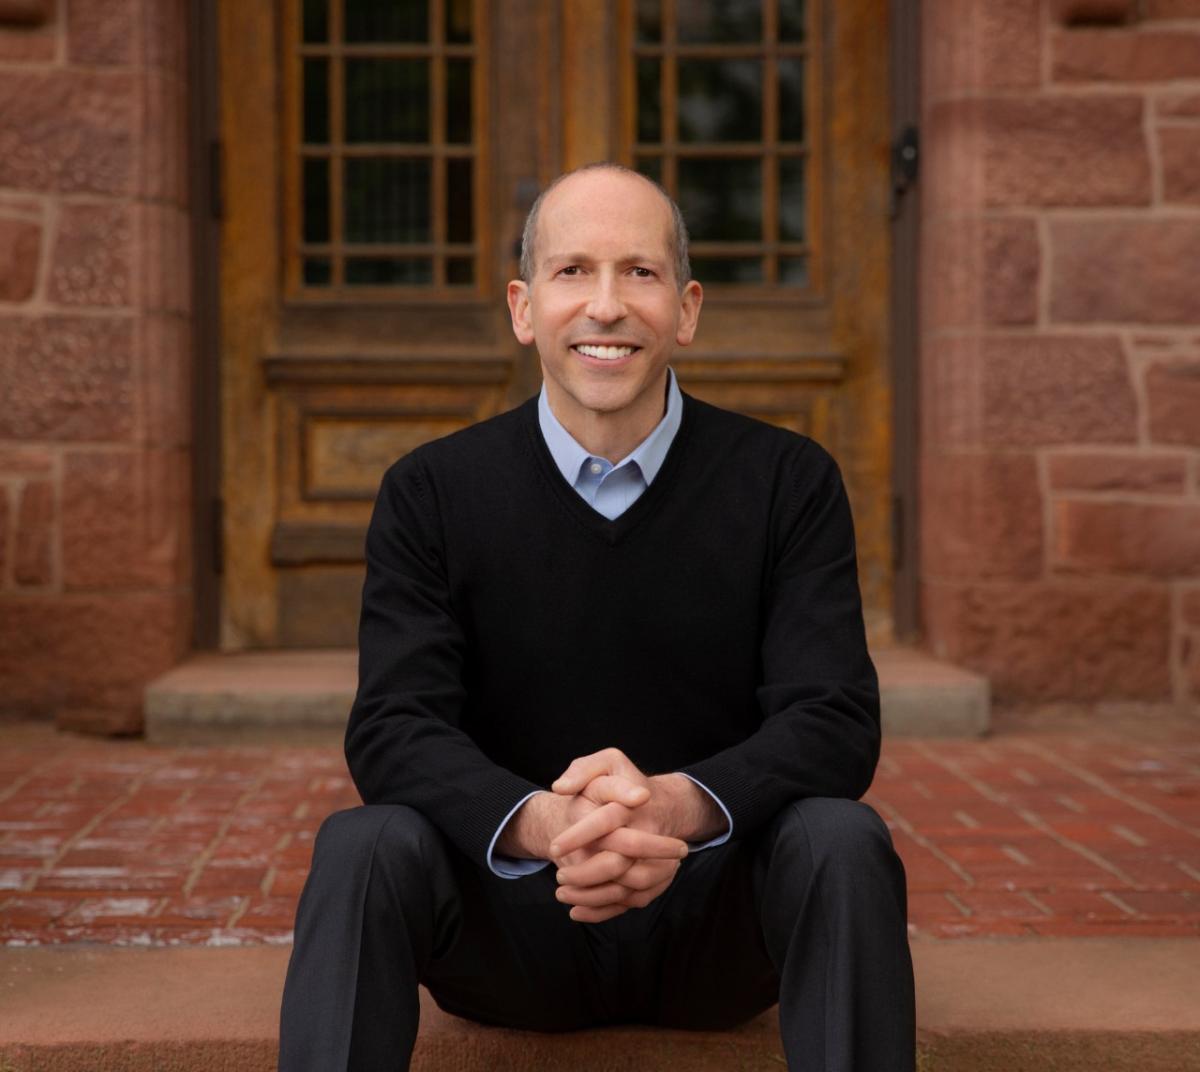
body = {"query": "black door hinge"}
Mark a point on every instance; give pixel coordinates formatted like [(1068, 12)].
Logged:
[(906, 160)]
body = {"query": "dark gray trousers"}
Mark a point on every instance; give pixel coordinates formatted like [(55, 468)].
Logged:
[(810, 912)]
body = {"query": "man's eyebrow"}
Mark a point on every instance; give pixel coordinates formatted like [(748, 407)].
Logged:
[(587, 258)]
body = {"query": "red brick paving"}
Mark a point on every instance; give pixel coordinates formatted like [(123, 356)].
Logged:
[(1087, 832)]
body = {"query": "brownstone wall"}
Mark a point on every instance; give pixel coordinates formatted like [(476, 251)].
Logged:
[(94, 356), (1060, 365)]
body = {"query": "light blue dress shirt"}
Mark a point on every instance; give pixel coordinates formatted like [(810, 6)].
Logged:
[(610, 490)]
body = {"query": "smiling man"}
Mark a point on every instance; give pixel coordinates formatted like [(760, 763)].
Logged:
[(615, 706)]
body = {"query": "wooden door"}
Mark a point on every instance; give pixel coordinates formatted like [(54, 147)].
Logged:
[(378, 160)]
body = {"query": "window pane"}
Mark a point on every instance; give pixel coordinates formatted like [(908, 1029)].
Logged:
[(458, 21), (387, 200), (316, 21), (720, 100), (722, 21), (371, 271), (721, 199), (317, 272), (791, 20), (649, 104), (791, 100), (458, 101), (727, 269), (649, 165), (649, 21), (316, 200), (460, 225), (316, 101), (793, 271), (793, 209), (395, 20), (387, 100), (460, 271)]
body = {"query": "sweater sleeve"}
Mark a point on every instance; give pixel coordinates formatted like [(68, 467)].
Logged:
[(404, 741), (819, 694)]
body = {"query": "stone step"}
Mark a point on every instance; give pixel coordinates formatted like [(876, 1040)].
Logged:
[(1051, 1005), (297, 696)]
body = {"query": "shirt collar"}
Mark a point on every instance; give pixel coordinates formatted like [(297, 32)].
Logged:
[(649, 455)]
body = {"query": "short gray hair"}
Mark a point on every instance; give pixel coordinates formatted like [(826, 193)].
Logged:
[(679, 236)]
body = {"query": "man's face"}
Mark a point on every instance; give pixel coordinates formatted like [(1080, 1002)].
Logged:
[(604, 307)]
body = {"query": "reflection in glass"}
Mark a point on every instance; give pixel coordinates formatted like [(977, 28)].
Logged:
[(387, 100), (458, 101), (727, 269), (458, 22), (316, 21), (649, 165), (793, 271), (460, 224), (316, 200), (792, 207), (649, 21), (372, 271), (721, 199), (649, 104), (791, 20), (791, 100), (719, 21), (369, 21), (386, 200), (317, 272), (316, 101), (460, 271), (720, 100)]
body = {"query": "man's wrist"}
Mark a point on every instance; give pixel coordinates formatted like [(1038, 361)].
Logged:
[(689, 813), (528, 834)]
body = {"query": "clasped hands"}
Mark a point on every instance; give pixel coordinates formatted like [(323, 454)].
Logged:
[(616, 836)]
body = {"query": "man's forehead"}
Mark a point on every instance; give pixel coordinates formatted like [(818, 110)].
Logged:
[(582, 186), (598, 201)]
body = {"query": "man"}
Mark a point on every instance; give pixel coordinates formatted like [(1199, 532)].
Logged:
[(599, 630)]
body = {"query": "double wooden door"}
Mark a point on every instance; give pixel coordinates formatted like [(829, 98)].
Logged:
[(378, 161)]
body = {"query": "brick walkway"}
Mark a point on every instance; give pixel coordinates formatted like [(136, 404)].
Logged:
[(1089, 832)]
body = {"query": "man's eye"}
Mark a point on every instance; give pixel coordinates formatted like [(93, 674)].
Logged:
[(643, 273), (570, 269)]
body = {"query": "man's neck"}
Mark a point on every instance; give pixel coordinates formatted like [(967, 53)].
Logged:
[(612, 436)]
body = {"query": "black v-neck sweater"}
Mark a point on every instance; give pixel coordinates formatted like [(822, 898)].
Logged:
[(715, 627)]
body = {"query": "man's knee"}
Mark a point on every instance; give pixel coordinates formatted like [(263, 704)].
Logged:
[(845, 838), (392, 835)]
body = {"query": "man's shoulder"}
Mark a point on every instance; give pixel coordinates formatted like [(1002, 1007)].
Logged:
[(745, 439)]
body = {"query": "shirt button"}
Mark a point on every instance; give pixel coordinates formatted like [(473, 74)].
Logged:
[(596, 468)]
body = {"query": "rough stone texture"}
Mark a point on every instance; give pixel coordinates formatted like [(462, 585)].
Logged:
[(1087, 640), (28, 44), (1191, 607), (1127, 270), (1105, 56), (1155, 539), (66, 378), (166, 270), (1179, 106), (93, 256), (165, 29), (164, 148), (23, 461), (166, 380), (69, 131), (124, 518), (1035, 151), (5, 519), (1083, 12), (993, 530), (1170, 9), (102, 32), (981, 271), (88, 657), (20, 245), (1173, 401), (33, 558), (974, 45), (1164, 474), (1179, 150)]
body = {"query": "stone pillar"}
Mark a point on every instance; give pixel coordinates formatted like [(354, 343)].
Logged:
[(95, 571), (1060, 363)]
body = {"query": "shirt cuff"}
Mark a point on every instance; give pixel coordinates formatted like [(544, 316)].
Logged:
[(712, 843), (511, 866)]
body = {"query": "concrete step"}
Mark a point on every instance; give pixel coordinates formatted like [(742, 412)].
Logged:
[(299, 696), (1069, 1005)]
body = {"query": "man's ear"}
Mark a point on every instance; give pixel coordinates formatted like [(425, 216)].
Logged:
[(518, 309), (689, 301)]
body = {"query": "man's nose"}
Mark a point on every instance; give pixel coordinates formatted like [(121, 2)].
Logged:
[(604, 303)]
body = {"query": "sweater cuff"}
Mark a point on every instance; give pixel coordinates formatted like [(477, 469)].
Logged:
[(511, 866)]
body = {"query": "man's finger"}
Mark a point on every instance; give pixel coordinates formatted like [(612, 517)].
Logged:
[(604, 820), (583, 914), (643, 875), (592, 896), (602, 867), (585, 768), (642, 844), (606, 788)]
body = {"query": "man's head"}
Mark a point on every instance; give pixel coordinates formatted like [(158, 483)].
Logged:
[(604, 301)]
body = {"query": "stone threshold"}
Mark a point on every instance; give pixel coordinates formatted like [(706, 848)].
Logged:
[(1025, 1005), (302, 696)]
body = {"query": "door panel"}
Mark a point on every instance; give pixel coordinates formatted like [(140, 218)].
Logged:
[(378, 164)]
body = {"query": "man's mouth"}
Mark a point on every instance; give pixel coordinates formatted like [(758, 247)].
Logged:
[(604, 353)]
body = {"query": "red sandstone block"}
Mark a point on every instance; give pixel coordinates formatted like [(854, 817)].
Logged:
[(33, 560), (288, 882), (275, 912), (1127, 270), (1161, 540), (115, 879), (29, 910), (92, 263), (1083, 905), (28, 44), (1179, 149), (926, 908), (230, 879), (1170, 9), (999, 904), (1173, 401), (1114, 56), (166, 382), (975, 45), (1173, 904), (1161, 474), (103, 32), (20, 248), (164, 145), (1178, 106), (193, 909), (114, 910)]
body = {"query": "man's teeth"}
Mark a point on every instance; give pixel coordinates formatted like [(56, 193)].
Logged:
[(605, 353)]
